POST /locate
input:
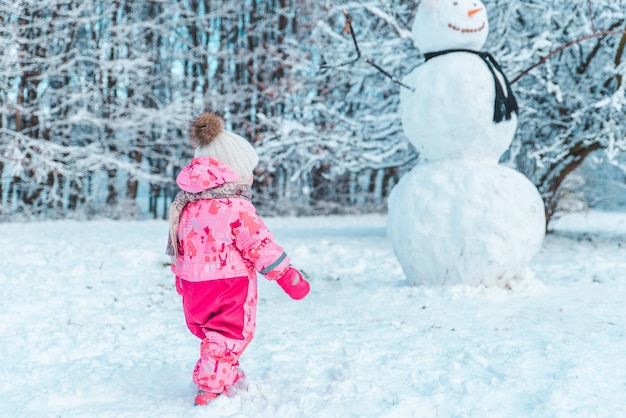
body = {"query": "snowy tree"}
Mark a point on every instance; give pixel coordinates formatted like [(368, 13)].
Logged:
[(572, 105), (28, 154), (71, 84), (342, 145), (96, 95)]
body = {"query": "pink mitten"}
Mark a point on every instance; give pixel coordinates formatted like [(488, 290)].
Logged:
[(294, 284)]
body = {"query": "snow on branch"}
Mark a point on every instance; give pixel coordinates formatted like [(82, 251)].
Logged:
[(596, 34), (403, 32), (348, 29)]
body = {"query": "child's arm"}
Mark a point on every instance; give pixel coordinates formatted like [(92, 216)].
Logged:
[(256, 244)]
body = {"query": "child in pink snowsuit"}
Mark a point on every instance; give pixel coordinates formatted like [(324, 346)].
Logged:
[(218, 244)]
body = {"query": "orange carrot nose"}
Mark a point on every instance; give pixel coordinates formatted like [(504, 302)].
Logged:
[(472, 12)]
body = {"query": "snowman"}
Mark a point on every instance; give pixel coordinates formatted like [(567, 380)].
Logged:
[(459, 217)]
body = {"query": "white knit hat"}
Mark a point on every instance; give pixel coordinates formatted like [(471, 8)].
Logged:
[(208, 137)]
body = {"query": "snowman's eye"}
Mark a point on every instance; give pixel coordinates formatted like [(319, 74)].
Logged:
[(456, 3)]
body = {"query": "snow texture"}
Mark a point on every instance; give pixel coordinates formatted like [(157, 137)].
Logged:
[(91, 325), (465, 222)]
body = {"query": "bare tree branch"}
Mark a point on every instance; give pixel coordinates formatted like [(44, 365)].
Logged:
[(349, 29), (565, 46), (593, 25)]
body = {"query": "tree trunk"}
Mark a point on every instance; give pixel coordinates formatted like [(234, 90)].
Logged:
[(560, 170)]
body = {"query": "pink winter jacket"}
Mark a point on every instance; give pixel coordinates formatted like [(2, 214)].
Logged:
[(224, 237)]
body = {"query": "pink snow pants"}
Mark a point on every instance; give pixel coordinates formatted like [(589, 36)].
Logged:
[(222, 313)]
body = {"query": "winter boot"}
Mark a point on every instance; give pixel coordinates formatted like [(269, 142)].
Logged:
[(204, 397)]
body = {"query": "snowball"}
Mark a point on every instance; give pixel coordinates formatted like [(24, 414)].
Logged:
[(450, 113), (442, 25), (465, 222)]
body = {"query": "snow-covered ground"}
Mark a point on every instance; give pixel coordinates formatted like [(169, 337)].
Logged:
[(91, 326)]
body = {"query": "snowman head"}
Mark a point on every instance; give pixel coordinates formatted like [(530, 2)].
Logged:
[(450, 24)]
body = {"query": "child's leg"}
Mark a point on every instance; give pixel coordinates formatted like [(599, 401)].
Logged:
[(218, 365), (227, 331)]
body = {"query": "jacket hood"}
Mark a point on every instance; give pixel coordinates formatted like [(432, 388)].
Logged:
[(203, 174)]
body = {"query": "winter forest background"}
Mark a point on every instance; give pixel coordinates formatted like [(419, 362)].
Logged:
[(96, 97)]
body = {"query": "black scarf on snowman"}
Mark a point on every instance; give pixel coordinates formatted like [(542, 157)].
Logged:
[(504, 105)]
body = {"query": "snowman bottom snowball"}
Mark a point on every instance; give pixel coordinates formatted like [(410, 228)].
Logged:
[(462, 222)]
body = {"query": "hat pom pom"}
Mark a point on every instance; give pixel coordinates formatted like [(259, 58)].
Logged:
[(205, 128)]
